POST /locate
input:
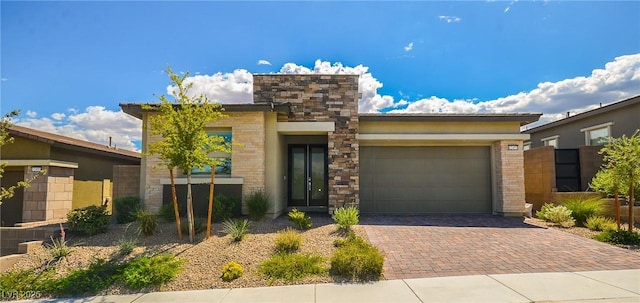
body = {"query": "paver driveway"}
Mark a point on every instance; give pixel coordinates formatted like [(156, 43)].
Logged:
[(433, 246)]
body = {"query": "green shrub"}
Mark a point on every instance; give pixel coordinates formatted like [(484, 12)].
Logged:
[(558, 214), (147, 223), (198, 225), (583, 208), (58, 248), (126, 209), (126, 245), (166, 213), (223, 208), (542, 213), (232, 271), (258, 204), (357, 259), (345, 217), (151, 271), (236, 229), (288, 241), (299, 219), (97, 277), (343, 241), (89, 220), (600, 223), (26, 284), (619, 236), (291, 267)]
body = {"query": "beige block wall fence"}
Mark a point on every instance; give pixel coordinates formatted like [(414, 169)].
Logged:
[(540, 174)]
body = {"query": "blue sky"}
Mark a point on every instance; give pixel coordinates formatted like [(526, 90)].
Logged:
[(67, 65)]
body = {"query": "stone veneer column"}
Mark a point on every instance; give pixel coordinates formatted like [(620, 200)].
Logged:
[(49, 196), (323, 98), (508, 168)]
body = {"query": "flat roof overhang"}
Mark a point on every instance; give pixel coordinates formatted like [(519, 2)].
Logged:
[(136, 110), (522, 118)]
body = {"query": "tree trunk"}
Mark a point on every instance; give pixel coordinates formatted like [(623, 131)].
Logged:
[(631, 206), (213, 173), (190, 208), (175, 204), (617, 200)]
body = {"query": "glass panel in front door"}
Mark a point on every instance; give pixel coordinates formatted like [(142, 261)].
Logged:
[(298, 176), (317, 178)]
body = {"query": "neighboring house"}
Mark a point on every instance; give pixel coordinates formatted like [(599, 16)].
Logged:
[(78, 173), (303, 141), (562, 156)]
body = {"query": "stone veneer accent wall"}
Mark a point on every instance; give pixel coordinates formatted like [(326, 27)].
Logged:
[(247, 159), (508, 168), (322, 98), (49, 196)]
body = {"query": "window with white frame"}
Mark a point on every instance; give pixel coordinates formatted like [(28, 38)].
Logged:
[(550, 141), (526, 145), (598, 134)]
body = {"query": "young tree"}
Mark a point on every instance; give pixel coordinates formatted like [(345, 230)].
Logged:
[(184, 143), (605, 181), (8, 192), (621, 157)]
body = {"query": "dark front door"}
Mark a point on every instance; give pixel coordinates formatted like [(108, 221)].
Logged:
[(307, 175)]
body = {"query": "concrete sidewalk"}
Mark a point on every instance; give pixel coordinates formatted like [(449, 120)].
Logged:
[(588, 286)]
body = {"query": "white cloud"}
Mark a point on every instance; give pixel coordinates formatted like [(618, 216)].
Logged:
[(237, 87), (234, 87), (618, 80), (409, 47), (4, 79), (96, 124), (58, 116), (450, 19), (264, 62)]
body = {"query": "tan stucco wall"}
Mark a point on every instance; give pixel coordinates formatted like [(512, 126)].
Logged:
[(395, 127), (275, 153), (86, 193), (248, 157), (90, 167), (26, 149)]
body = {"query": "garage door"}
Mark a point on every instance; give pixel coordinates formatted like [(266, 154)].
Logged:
[(425, 180)]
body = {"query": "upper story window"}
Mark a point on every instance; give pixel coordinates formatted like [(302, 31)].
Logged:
[(526, 145), (551, 141), (598, 134), (224, 159)]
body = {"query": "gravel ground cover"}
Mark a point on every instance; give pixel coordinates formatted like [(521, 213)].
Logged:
[(204, 258), (580, 231)]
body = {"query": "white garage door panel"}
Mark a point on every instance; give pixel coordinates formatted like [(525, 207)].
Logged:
[(414, 180)]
